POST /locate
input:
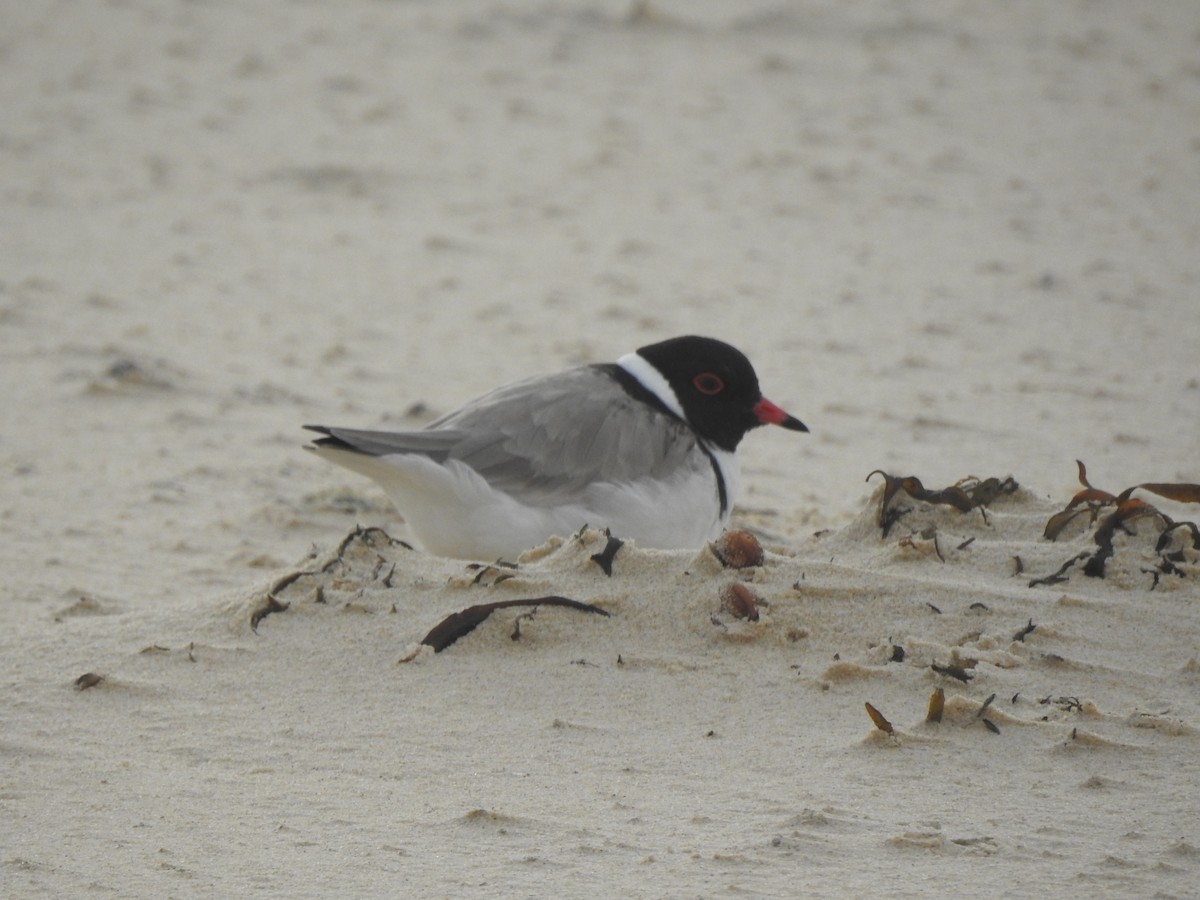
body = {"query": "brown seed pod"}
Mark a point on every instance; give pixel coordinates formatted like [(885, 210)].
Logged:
[(738, 550), (937, 702), (879, 719), (740, 601)]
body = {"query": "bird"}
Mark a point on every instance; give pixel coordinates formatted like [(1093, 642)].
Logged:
[(644, 447)]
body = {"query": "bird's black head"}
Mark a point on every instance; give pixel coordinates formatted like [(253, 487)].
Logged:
[(716, 387)]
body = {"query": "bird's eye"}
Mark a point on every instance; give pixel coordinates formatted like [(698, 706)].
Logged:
[(708, 383)]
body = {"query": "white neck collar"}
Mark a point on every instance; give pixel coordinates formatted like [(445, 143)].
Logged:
[(652, 380)]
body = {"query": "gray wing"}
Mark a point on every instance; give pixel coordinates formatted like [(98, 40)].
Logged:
[(544, 438)]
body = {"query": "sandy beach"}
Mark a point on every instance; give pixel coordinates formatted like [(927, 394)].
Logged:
[(957, 240)]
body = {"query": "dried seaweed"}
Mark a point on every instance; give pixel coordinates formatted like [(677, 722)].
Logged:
[(1025, 632), (988, 723), (369, 537), (968, 494), (1061, 575), (459, 624), (953, 671), (1180, 492), (270, 605), (1067, 704), (929, 534), (1091, 500), (604, 559), (1125, 509), (489, 575)]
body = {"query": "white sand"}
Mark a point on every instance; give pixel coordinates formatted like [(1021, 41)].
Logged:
[(955, 239)]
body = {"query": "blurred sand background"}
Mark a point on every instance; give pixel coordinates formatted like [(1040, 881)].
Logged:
[(955, 239)]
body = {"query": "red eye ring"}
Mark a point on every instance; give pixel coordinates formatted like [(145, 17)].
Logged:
[(708, 383)]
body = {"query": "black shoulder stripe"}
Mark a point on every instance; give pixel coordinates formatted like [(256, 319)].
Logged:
[(635, 388), (639, 391), (722, 495)]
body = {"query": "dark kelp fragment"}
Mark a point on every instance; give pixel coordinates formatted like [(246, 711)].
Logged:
[(1025, 632), (1059, 576), (1167, 535), (1067, 704), (984, 493), (1168, 557), (270, 605), (970, 493), (371, 536), (953, 671), (1127, 510), (87, 680), (459, 624), (980, 714), (928, 534), (489, 575), (288, 580), (516, 632), (604, 559)]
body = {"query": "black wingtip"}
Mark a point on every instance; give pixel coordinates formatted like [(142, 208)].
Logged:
[(330, 442)]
